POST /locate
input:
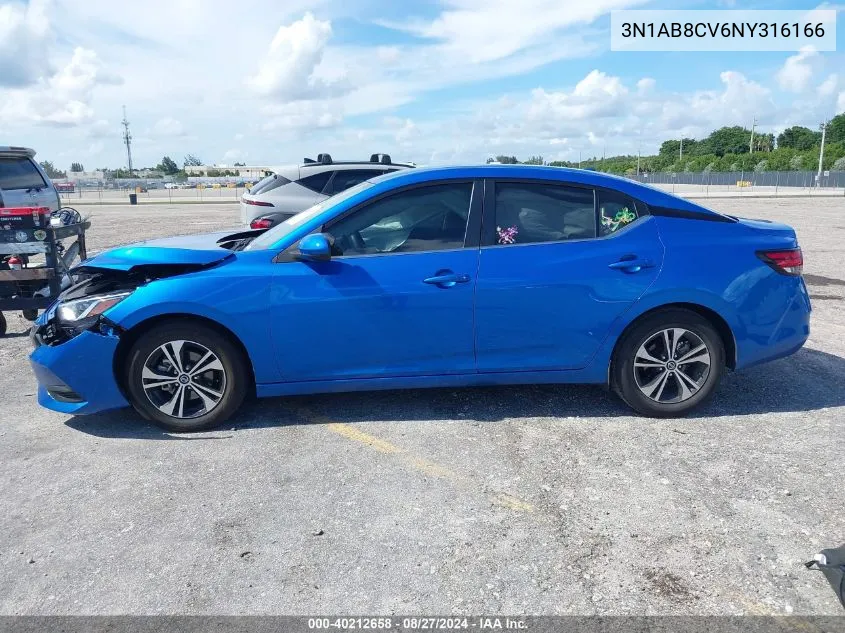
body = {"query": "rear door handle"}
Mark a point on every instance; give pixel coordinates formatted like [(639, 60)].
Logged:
[(632, 264), (446, 279)]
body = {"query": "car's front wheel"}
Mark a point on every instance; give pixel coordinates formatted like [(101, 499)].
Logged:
[(668, 363), (186, 377)]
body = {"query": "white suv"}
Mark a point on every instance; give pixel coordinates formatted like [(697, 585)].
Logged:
[(294, 188), (23, 182)]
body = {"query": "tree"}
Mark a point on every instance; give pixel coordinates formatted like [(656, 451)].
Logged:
[(670, 148), (534, 160), (799, 137), (76, 167), (240, 165), (764, 142), (835, 129), (505, 160), (167, 166), (730, 140), (51, 171), (192, 161)]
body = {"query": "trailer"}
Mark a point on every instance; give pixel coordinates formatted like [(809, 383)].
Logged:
[(30, 233)]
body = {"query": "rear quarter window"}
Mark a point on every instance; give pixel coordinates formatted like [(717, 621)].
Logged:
[(316, 182), (19, 173), (616, 211)]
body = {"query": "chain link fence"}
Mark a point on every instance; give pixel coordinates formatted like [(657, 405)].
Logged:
[(747, 182)]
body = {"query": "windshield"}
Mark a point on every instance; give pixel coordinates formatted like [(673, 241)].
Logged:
[(265, 240)]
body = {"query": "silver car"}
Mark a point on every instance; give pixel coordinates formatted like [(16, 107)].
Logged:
[(23, 182), (294, 188)]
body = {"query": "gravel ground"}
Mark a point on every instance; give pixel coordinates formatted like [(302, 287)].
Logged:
[(535, 500)]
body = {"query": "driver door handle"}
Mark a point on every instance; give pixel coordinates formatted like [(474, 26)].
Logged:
[(446, 279)]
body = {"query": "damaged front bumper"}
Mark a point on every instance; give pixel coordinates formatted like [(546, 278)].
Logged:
[(77, 375)]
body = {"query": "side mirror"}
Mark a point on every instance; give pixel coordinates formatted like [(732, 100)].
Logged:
[(315, 248)]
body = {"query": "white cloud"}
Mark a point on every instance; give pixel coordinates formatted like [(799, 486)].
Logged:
[(388, 54), (234, 156), (25, 41), (405, 131), (168, 127), (840, 102), (797, 71), (828, 86), (289, 70), (298, 117), (646, 85), (102, 129), (487, 30), (596, 95), (64, 99)]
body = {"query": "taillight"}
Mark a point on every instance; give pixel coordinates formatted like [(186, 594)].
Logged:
[(257, 203), (786, 262), (261, 223)]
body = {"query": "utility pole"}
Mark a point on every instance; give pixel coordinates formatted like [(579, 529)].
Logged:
[(638, 162), (823, 128), (751, 144), (681, 157), (579, 159), (127, 140)]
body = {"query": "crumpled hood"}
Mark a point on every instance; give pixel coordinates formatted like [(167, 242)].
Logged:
[(191, 250)]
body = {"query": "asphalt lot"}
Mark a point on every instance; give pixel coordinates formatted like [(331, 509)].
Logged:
[(535, 500)]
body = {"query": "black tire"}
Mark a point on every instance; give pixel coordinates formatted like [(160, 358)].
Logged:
[(30, 315), (624, 381), (2, 325), (233, 386)]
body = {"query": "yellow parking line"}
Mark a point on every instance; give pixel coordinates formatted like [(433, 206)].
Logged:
[(430, 468), (425, 466), (509, 501), (354, 434)]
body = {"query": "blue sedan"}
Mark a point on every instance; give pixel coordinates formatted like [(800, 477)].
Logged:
[(446, 277)]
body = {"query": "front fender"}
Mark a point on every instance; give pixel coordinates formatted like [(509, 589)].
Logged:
[(240, 305)]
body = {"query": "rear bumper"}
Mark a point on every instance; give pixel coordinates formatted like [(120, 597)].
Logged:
[(78, 376)]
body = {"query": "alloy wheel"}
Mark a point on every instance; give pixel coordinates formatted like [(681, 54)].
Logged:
[(183, 379), (672, 365)]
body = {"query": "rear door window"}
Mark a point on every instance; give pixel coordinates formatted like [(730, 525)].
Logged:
[(350, 177), (19, 173), (531, 213)]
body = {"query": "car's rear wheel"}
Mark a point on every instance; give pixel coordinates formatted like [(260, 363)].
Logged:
[(186, 377), (668, 363)]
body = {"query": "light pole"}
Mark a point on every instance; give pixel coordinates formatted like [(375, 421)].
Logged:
[(823, 128), (751, 144)]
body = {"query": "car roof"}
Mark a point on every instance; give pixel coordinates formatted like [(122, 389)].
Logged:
[(11, 150), (646, 193)]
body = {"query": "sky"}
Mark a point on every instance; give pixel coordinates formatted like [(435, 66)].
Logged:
[(268, 82)]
